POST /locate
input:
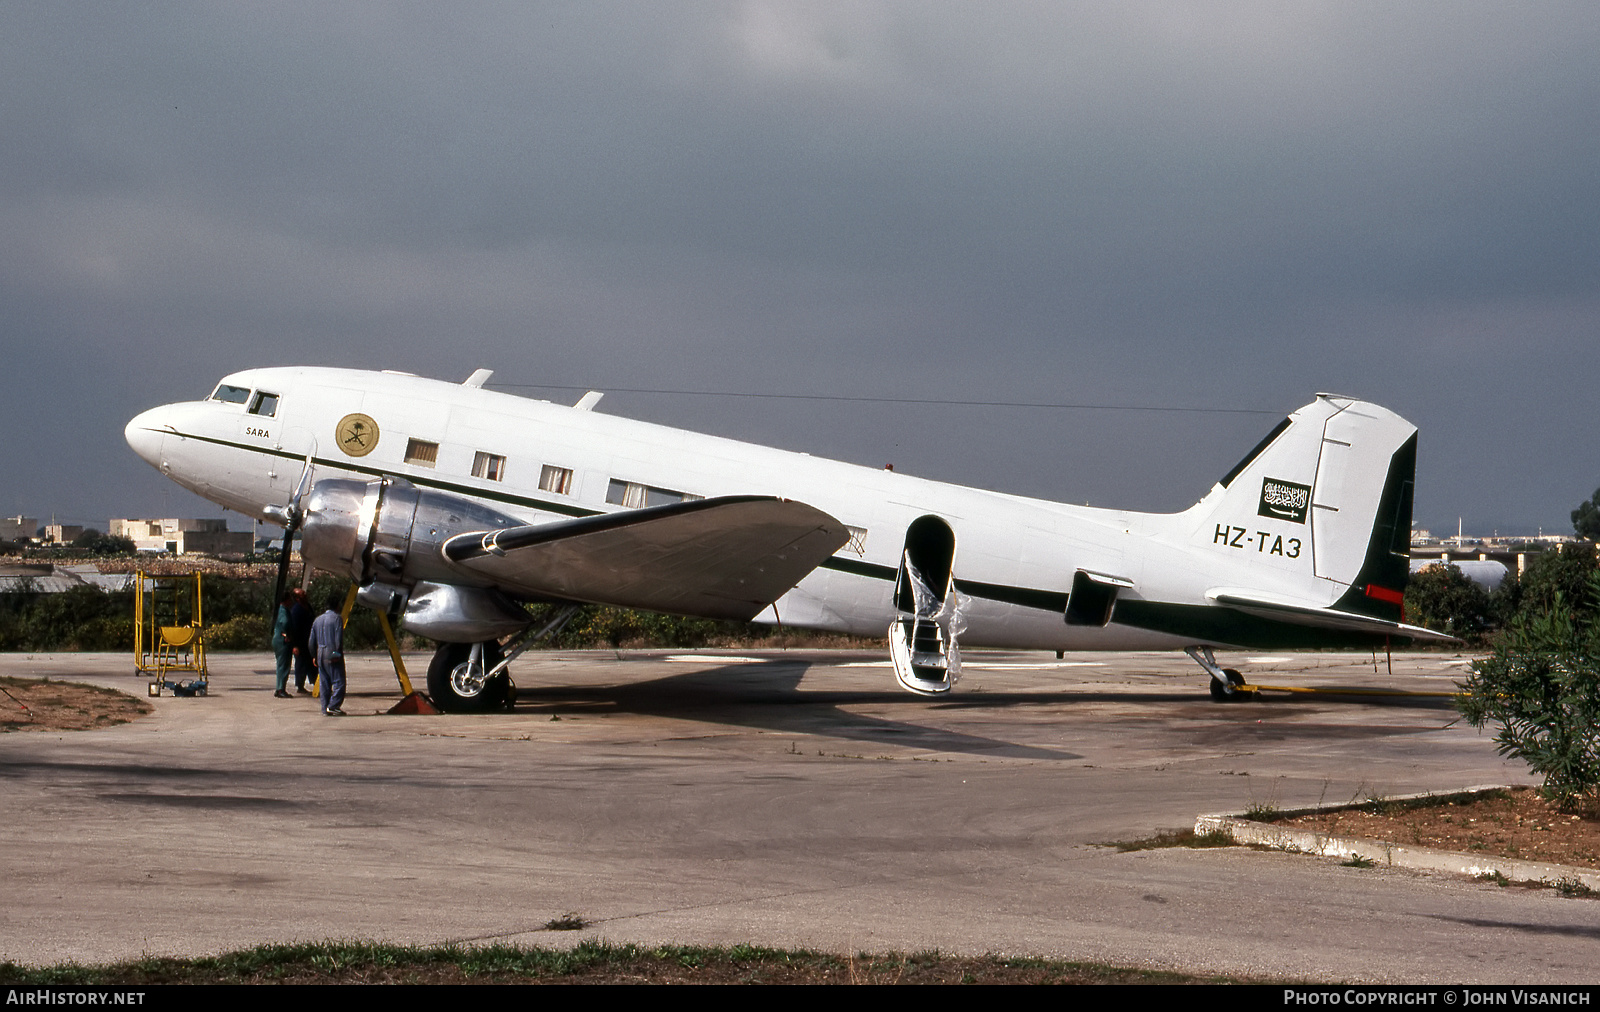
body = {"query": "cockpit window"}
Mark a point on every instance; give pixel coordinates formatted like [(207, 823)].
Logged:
[(231, 395), (264, 404)]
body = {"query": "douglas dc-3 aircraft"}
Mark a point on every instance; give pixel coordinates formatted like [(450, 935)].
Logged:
[(452, 505)]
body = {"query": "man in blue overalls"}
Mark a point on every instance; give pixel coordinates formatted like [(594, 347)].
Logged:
[(327, 647)]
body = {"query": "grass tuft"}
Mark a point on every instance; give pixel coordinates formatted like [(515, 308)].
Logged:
[(1174, 838), (1574, 889), (589, 961)]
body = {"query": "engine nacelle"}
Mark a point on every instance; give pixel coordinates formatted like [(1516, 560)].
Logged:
[(389, 531), (452, 614)]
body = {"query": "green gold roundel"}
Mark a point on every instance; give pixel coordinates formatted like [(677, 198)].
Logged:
[(356, 434)]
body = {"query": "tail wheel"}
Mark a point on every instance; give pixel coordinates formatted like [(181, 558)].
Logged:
[(1222, 695), (455, 688)]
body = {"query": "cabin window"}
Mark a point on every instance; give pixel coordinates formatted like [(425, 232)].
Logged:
[(634, 495), (230, 395), (422, 454), (489, 465), (556, 479), (264, 404), (857, 544)]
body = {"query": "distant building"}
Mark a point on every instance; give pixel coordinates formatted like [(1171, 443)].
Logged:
[(180, 536), (19, 528), (1484, 559), (1460, 545), (61, 534)]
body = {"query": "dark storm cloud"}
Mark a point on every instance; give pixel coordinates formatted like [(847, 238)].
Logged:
[(1228, 205)]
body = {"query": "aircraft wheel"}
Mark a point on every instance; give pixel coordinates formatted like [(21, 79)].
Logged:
[(1222, 695), (454, 694)]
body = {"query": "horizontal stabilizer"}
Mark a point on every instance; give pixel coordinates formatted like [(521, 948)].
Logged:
[(1300, 613), (728, 557)]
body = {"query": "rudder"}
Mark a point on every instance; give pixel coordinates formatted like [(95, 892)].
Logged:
[(1334, 482)]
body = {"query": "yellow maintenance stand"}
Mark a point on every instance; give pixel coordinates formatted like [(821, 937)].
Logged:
[(169, 631)]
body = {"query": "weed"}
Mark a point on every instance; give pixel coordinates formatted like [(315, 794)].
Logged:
[(1357, 861), (1261, 811), (1496, 876), (1574, 889), (1174, 838), (569, 921), (1380, 805)]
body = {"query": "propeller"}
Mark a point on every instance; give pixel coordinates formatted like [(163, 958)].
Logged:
[(291, 516)]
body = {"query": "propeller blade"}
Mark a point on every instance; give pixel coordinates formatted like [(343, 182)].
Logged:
[(300, 488), (293, 515), (283, 563)]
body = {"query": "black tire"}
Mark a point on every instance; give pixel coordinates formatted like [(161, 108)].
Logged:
[(443, 692), (1222, 695)]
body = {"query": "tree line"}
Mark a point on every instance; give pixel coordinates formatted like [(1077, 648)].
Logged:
[(1441, 597), (238, 616)]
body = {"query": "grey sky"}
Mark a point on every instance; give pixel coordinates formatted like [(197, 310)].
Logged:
[(1208, 205)]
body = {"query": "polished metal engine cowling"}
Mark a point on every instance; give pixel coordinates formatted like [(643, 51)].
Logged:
[(452, 614), (390, 531), (446, 612)]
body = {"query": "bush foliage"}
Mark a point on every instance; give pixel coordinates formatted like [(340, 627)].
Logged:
[(238, 613), (82, 618), (1442, 597), (1555, 579), (235, 612), (1542, 685), (1586, 518)]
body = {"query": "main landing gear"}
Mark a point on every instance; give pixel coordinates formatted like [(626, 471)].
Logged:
[(459, 679), (1227, 685), (472, 677)]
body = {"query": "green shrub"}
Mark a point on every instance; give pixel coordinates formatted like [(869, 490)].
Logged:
[(1542, 687), (242, 632), (595, 626), (1441, 597)]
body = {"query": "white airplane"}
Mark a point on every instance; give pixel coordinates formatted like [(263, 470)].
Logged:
[(451, 505)]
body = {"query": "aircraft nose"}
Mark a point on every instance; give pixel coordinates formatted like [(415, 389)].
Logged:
[(147, 434)]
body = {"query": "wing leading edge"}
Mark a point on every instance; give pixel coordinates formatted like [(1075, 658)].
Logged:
[(728, 557)]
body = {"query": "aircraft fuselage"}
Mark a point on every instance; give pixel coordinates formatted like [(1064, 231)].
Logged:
[(1016, 560)]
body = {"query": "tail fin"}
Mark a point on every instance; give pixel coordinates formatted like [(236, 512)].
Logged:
[(1333, 481)]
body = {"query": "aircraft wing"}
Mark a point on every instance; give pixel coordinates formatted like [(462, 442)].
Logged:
[(1301, 613), (727, 557)]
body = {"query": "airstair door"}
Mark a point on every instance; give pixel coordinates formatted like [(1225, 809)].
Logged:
[(922, 637)]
